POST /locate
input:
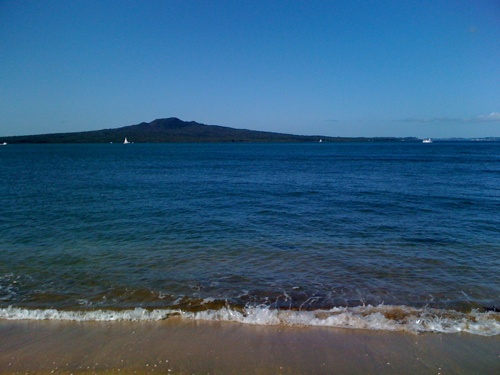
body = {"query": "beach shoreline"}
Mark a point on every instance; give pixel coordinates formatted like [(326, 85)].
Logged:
[(180, 346)]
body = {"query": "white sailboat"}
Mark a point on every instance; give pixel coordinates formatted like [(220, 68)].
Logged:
[(126, 142)]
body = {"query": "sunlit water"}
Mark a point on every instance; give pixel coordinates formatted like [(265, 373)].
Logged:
[(369, 235)]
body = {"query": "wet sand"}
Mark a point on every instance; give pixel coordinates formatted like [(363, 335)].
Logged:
[(178, 346)]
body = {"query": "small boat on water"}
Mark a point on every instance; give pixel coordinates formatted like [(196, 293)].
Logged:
[(126, 142), (3, 144), (427, 140)]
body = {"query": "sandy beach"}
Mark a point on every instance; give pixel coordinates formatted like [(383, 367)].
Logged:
[(178, 346)]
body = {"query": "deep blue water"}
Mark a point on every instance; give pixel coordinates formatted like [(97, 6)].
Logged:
[(285, 226)]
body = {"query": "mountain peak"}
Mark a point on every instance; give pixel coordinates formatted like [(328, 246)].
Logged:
[(169, 123), (172, 129)]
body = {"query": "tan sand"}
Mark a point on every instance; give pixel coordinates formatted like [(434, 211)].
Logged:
[(177, 346)]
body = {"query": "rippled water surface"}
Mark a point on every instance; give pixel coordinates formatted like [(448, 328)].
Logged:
[(280, 226)]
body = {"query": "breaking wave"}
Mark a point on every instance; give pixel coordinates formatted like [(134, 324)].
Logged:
[(382, 317)]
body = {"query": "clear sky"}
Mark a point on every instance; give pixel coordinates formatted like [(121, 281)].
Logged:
[(336, 68)]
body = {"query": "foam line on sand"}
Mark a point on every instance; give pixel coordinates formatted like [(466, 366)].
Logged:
[(178, 346)]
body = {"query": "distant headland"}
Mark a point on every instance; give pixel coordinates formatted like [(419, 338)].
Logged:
[(170, 130)]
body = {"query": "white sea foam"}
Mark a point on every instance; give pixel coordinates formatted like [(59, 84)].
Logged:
[(387, 318), (138, 314)]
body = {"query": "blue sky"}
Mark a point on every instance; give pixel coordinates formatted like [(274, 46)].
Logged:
[(336, 68)]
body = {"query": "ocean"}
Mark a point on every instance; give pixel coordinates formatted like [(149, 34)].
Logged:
[(381, 236)]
